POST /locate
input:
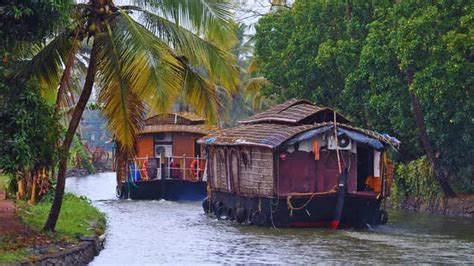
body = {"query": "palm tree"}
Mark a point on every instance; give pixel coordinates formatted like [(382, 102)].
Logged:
[(143, 57)]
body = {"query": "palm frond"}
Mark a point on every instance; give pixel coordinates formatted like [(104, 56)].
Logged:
[(252, 90), (200, 94), (47, 65), (191, 84), (161, 74), (123, 109), (199, 15), (219, 64)]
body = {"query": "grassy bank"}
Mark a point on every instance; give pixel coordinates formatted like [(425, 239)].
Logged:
[(77, 217)]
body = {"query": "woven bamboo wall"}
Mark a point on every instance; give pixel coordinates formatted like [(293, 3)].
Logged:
[(256, 171), (241, 170)]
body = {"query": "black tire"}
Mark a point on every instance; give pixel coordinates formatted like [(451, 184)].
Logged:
[(206, 206), (217, 205), (259, 218), (231, 214), (382, 217), (240, 214), (119, 192), (221, 213), (248, 219)]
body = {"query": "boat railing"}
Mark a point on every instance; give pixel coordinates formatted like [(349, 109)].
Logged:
[(173, 167)]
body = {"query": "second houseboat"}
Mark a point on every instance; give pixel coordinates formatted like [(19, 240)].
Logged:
[(168, 163)]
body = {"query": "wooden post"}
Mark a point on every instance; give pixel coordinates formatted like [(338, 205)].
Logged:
[(337, 144)]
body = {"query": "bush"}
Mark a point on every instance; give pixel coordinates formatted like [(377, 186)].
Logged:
[(414, 179)]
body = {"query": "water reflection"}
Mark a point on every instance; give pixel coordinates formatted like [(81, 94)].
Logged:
[(163, 232)]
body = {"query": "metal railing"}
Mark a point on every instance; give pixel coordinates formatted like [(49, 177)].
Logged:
[(172, 167)]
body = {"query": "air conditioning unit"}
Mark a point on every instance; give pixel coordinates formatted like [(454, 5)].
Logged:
[(163, 148), (344, 143)]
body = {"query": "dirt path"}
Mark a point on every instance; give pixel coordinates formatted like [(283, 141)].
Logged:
[(10, 222)]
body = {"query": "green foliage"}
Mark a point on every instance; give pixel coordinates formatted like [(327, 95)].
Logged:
[(358, 61), (28, 128), (24, 22), (4, 179), (414, 179), (78, 216), (78, 150), (13, 256)]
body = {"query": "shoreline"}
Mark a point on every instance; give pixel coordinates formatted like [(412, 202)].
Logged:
[(460, 206), (77, 240)]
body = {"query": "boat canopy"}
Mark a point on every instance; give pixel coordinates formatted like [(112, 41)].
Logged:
[(277, 135)]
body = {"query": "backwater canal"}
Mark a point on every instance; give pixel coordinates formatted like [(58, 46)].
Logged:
[(164, 232)]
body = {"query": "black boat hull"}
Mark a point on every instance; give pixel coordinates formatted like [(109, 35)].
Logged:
[(167, 189), (319, 211)]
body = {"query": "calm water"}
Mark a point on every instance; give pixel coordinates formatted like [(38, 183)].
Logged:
[(163, 232)]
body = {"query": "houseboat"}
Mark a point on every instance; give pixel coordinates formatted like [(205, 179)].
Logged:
[(298, 165), (168, 162)]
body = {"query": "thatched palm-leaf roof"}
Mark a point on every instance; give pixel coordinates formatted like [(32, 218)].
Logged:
[(274, 135), (295, 112)]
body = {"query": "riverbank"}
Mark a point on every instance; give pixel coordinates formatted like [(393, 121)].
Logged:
[(460, 206), (76, 238)]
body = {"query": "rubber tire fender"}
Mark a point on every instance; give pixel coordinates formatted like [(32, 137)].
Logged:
[(206, 206), (382, 217), (216, 205), (259, 218), (231, 214), (118, 192), (240, 215), (248, 219), (222, 211)]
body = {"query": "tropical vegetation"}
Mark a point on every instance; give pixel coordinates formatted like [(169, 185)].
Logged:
[(403, 67), (142, 58)]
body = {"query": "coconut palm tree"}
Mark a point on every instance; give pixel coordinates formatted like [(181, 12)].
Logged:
[(143, 57)]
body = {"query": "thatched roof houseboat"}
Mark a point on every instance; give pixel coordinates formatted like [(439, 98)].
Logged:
[(298, 165), (168, 163)]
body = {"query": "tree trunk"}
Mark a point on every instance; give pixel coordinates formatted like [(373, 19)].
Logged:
[(66, 76), (427, 147), (73, 123), (349, 9)]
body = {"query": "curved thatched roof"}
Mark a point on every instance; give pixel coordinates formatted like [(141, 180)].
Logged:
[(274, 135), (178, 118), (177, 122), (295, 112), (198, 129)]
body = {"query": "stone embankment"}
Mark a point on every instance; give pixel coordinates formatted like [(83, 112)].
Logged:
[(81, 254), (461, 206)]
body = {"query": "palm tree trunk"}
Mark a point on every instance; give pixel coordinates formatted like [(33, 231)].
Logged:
[(66, 74), (427, 147), (50, 224), (65, 79)]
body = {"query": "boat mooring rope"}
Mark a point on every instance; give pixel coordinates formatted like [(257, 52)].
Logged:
[(293, 208)]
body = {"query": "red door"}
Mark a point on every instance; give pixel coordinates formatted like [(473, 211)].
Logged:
[(297, 173)]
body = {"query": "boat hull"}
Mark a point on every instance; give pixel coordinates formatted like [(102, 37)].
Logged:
[(359, 211), (167, 189)]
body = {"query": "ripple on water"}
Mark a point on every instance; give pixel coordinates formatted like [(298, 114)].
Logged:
[(166, 232)]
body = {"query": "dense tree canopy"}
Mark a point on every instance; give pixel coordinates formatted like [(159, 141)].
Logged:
[(366, 58), (27, 22)]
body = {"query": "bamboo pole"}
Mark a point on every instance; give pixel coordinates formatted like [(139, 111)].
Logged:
[(337, 144)]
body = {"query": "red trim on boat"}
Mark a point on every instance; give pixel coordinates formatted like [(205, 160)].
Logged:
[(334, 224)]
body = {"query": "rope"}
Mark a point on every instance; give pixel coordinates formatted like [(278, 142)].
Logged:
[(293, 208), (209, 196)]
